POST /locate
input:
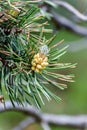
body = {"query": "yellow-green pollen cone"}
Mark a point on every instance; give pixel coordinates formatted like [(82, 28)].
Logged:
[(39, 62)]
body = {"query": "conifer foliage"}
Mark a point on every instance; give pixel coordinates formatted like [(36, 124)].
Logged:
[(27, 59)]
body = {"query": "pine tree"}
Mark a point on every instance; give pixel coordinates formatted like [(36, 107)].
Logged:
[(28, 59)]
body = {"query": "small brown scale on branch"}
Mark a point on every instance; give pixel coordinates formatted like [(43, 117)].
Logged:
[(14, 31), (7, 31), (1, 98)]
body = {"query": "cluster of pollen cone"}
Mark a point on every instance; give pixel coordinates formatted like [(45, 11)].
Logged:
[(39, 62)]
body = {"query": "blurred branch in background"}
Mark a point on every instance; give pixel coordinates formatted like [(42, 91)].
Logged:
[(22, 125), (79, 121), (61, 21), (64, 22), (72, 9)]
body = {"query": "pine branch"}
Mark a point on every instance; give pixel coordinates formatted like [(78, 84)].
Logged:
[(61, 21), (70, 121), (22, 125), (64, 22), (27, 56), (71, 9)]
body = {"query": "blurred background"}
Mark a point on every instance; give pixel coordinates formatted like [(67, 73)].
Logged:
[(74, 98)]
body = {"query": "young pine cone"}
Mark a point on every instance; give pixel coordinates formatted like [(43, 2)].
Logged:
[(39, 62)]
